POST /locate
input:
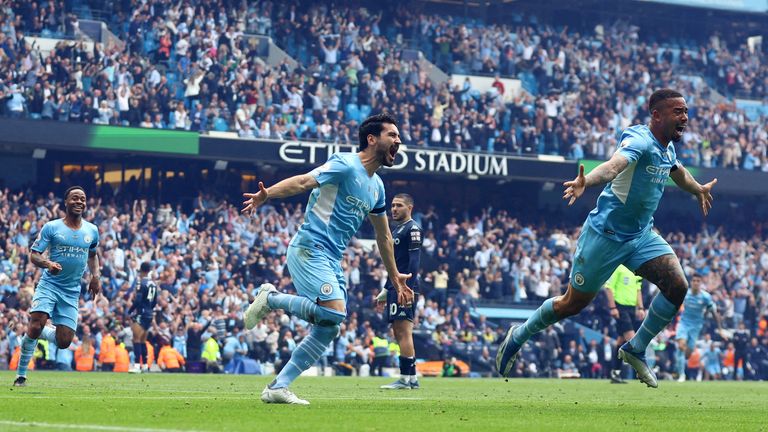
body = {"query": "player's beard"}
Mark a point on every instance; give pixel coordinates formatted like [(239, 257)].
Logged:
[(384, 157)]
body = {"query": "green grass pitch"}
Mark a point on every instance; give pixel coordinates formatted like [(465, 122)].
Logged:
[(166, 402)]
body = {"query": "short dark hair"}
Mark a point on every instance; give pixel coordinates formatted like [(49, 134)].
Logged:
[(145, 267), (66, 193), (373, 125), (405, 197), (660, 96)]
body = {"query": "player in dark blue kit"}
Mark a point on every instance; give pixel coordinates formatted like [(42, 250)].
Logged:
[(71, 243), (407, 237), (142, 311)]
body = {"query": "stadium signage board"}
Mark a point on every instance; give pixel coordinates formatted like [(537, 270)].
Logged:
[(409, 159)]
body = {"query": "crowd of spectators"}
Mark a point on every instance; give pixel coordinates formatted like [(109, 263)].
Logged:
[(208, 260), (196, 66)]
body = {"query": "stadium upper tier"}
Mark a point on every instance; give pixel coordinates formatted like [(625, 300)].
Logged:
[(189, 66)]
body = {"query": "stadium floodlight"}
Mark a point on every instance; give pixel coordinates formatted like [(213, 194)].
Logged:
[(38, 153), (220, 165)]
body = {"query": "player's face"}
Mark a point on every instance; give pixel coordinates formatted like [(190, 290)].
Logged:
[(75, 202), (388, 143), (674, 118), (400, 210), (696, 284)]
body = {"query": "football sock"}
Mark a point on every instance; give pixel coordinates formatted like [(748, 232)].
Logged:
[(406, 367), (49, 334), (306, 354), (680, 362), (543, 317), (28, 346), (661, 312), (305, 309)]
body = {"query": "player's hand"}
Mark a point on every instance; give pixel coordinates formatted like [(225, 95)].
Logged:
[(94, 287), (639, 314), (614, 313), (705, 196), (404, 294), (54, 267), (255, 199), (575, 188)]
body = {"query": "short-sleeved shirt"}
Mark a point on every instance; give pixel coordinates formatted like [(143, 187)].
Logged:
[(146, 297), (68, 247), (624, 284), (695, 306), (337, 207), (625, 207), (407, 238)]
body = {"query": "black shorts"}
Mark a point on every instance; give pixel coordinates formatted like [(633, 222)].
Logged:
[(626, 321), (145, 321), (394, 311)]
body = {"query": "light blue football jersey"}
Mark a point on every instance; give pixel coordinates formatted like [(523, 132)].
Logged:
[(68, 247), (695, 306), (337, 208), (625, 207)]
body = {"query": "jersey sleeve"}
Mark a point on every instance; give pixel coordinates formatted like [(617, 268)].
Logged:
[(43, 239), (95, 243), (331, 172), (632, 148), (381, 201), (414, 238), (710, 303)]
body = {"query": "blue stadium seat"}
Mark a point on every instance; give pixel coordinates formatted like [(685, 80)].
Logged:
[(220, 125), (365, 111), (352, 112)]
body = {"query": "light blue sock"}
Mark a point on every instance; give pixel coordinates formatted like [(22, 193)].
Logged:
[(49, 334), (28, 346), (543, 317), (302, 307), (661, 313), (680, 362), (306, 354)]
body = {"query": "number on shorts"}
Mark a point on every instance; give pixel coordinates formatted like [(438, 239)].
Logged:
[(393, 309)]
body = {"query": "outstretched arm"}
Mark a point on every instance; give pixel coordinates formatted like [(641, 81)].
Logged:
[(602, 174), (685, 181), (285, 188)]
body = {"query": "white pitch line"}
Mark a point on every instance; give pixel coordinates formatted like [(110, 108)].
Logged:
[(181, 398), (86, 427)]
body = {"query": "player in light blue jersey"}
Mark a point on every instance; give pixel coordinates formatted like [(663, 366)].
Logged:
[(71, 243), (345, 190), (620, 231), (695, 307)]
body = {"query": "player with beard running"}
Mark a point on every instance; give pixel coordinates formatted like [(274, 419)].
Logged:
[(620, 231), (345, 190)]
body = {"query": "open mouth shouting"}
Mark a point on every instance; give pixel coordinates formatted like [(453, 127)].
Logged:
[(390, 159)]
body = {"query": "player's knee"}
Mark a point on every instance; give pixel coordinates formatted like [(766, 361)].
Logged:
[(64, 337), (326, 333), (35, 328), (63, 343), (329, 317), (676, 290), (569, 306)]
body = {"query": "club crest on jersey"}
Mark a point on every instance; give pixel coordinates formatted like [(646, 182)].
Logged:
[(88, 238), (326, 289), (578, 279)]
